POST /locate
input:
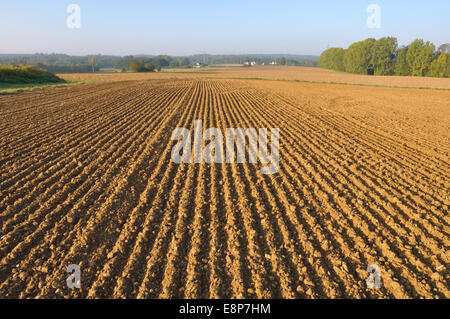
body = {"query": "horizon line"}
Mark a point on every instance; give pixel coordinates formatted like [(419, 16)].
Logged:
[(173, 55)]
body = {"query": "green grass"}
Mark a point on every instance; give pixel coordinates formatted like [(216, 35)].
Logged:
[(8, 88)]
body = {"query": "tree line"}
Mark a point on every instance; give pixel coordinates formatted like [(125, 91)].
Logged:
[(60, 63), (385, 57), (283, 59), (68, 68), (63, 63), (295, 62), (149, 64)]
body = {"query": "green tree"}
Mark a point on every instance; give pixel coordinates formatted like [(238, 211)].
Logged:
[(135, 67), (401, 65), (383, 55), (161, 61), (358, 58), (281, 61), (332, 59), (183, 62), (91, 61), (440, 67), (444, 48), (419, 57)]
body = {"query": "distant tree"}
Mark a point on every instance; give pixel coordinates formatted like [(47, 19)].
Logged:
[(135, 67), (281, 61), (123, 70), (124, 62), (183, 62), (161, 61), (440, 67), (332, 59), (358, 58), (149, 67), (401, 65), (383, 56), (67, 68), (444, 48), (91, 61), (419, 57)]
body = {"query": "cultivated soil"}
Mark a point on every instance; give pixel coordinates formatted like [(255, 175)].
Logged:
[(86, 178)]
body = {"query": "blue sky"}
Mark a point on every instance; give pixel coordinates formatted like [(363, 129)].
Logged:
[(215, 27)]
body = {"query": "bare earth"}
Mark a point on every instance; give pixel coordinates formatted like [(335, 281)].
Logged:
[(86, 178)]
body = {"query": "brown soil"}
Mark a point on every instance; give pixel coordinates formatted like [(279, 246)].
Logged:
[(87, 179)]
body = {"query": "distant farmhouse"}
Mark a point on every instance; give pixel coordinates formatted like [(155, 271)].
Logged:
[(250, 63), (198, 65)]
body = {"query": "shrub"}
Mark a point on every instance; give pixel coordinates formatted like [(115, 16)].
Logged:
[(138, 67), (135, 67), (25, 74)]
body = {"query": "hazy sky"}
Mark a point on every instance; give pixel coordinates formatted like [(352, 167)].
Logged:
[(215, 27)]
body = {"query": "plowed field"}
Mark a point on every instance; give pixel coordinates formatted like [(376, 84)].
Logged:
[(86, 178)]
